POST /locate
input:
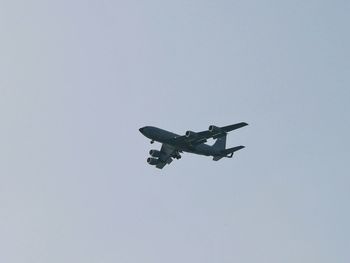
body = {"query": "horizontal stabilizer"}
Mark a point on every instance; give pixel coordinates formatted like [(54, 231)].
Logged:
[(229, 152)]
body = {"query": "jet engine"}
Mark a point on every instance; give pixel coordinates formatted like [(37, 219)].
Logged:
[(213, 128), (152, 161), (217, 132), (155, 153), (176, 155), (190, 134)]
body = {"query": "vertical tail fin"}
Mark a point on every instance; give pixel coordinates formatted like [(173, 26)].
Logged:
[(220, 143)]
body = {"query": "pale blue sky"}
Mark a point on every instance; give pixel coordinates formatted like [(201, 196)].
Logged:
[(78, 78)]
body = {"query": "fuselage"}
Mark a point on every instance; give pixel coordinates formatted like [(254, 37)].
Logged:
[(163, 136)]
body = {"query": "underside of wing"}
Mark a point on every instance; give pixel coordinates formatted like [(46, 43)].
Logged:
[(233, 126), (162, 157), (194, 138)]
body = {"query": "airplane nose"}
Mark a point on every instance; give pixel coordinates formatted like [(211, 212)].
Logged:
[(141, 130)]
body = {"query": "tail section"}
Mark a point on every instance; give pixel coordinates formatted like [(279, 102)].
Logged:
[(227, 153), (220, 143)]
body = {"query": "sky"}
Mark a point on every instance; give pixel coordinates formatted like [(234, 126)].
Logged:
[(79, 78)]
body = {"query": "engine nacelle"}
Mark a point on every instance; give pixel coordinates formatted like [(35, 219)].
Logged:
[(176, 155), (190, 134), (219, 135), (213, 128), (155, 153), (152, 161)]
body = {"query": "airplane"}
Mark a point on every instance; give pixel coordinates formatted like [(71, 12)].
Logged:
[(192, 142)]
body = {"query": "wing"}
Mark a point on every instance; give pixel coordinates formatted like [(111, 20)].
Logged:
[(201, 137), (233, 126), (165, 157)]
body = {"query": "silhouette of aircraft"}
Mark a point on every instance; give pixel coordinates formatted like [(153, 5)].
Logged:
[(192, 142)]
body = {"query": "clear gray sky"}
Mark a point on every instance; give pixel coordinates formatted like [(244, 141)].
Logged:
[(77, 80)]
